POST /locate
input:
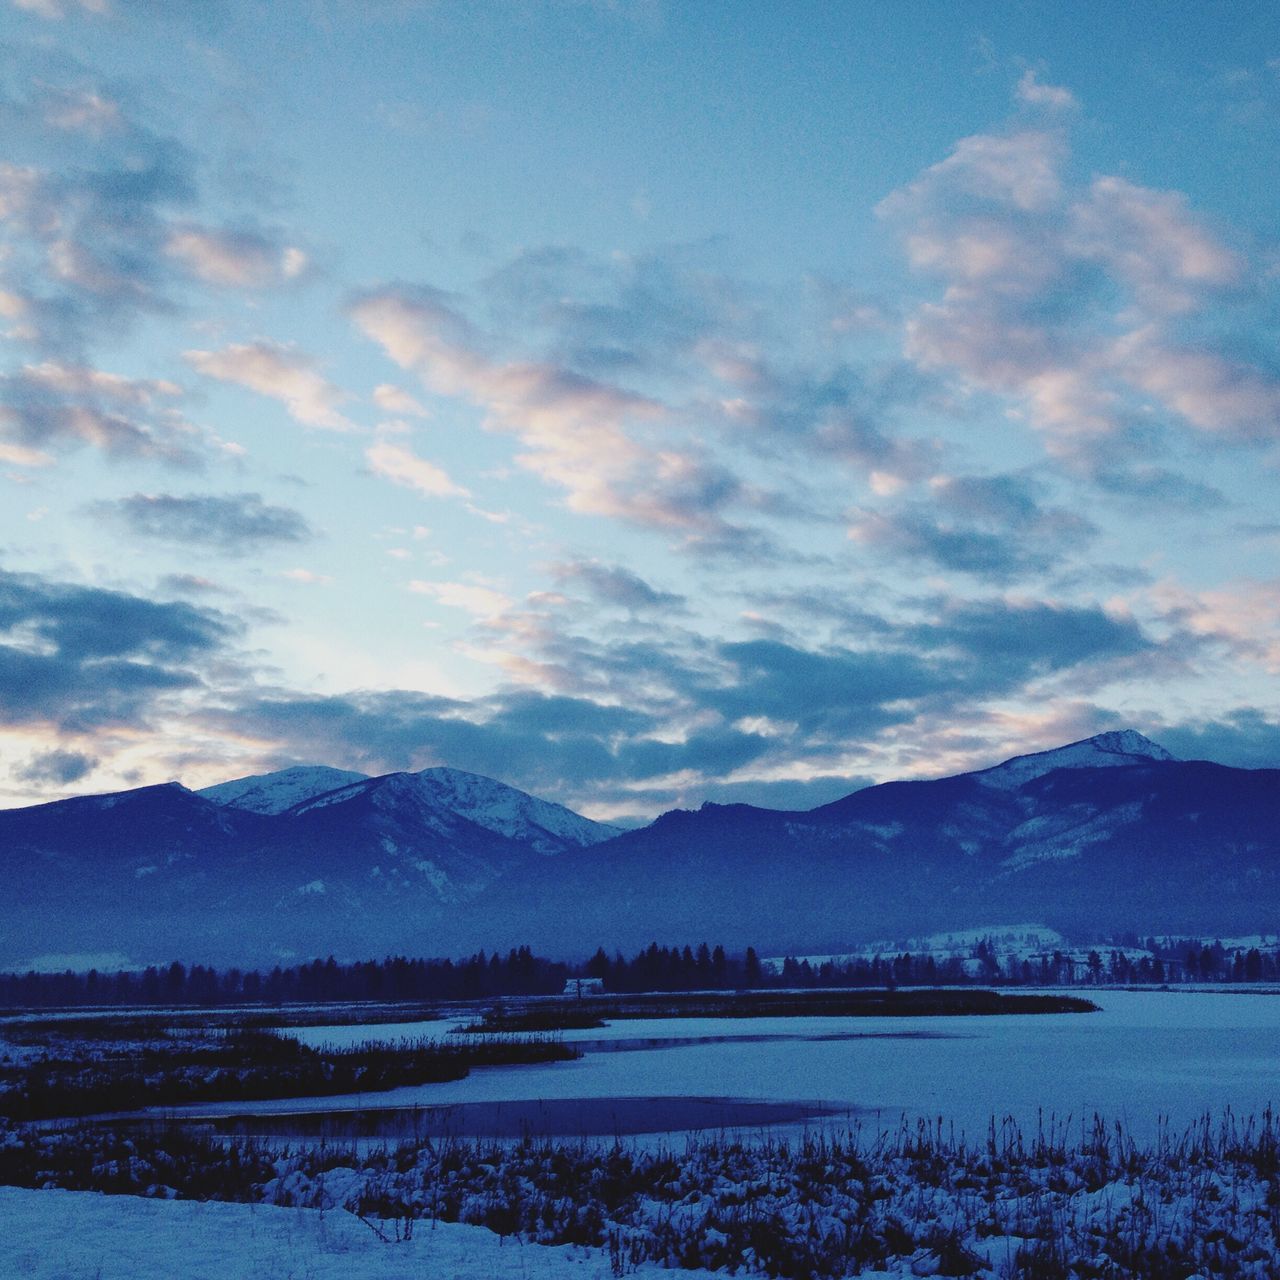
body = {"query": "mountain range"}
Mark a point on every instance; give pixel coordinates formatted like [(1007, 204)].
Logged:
[(1105, 835)]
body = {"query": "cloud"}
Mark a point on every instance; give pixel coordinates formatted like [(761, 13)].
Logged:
[(99, 217), (307, 577), (1006, 642), (82, 111), (237, 259), (1225, 397), (1035, 93), (236, 523), (1243, 737), (583, 435), (58, 9), (397, 400), (480, 601), (86, 225), (834, 693), (52, 405), (79, 658), (403, 467), (59, 767), (1152, 242), (993, 527), (190, 584), (1242, 616), (16, 455), (280, 372), (612, 584), (1092, 309), (1018, 170)]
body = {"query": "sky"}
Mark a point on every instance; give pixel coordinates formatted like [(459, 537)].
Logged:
[(639, 403)]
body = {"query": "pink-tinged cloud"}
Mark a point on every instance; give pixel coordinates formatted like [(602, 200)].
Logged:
[(15, 455), (281, 373), (1018, 170), (1056, 297), (55, 405), (479, 601), (234, 259), (1244, 615), (398, 401), (403, 467), (1222, 396), (582, 435), (1152, 242)]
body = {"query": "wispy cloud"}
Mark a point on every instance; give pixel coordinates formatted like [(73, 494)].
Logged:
[(398, 401), (53, 406), (480, 601), (403, 467), (233, 523), (280, 372), (239, 259), (994, 527), (612, 584), (583, 435)]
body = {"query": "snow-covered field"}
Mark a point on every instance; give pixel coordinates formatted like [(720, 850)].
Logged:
[(1148, 1056), (81, 1235)]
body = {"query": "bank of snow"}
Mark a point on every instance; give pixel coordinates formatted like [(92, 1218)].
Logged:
[(81, 1235)]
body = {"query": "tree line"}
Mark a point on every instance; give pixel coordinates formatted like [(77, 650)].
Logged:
[(521, 973)]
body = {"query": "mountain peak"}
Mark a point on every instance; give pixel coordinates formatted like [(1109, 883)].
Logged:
[(1103, 750), (548, 827), (1129, 742), (272, 793)]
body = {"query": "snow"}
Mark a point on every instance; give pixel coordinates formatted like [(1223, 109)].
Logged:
[(80, 1235), (272, 793), (548, 827), (498, 807), (1020, 940), (441, 796), (1126, 747)]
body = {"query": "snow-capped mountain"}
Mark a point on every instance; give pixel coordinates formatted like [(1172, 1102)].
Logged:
[(493, 805), (281, 790), (547, 827), (304, 858), (1110, 834), (1104, 750)]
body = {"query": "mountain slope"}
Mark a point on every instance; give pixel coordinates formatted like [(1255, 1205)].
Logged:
[(1106, 750), (368, 866), (547, 827), (276, 792), (1111, 834)]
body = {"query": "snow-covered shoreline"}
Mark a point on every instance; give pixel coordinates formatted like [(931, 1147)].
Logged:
[(1051, 1202), (84, 1235)]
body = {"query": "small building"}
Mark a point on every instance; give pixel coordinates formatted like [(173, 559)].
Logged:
[(584, 987)]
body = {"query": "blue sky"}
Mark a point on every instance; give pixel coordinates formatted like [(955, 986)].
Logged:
[(638, 403)]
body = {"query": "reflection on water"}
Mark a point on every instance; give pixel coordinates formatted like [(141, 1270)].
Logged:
[(534, 1117), (640, 1043)]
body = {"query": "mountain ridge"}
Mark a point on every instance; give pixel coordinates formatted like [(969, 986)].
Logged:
[(1107, 833)]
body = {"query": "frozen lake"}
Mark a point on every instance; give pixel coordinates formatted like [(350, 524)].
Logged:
[(1146, 1058)]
